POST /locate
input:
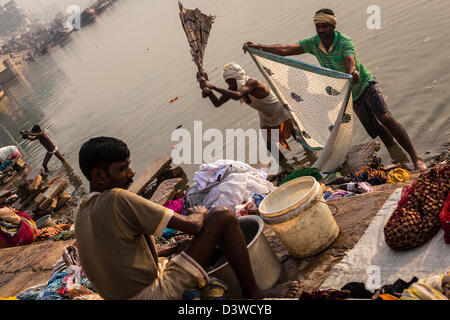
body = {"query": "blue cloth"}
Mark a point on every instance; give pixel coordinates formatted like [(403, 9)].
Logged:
[(169, 233), (50, 292), (5, 165), (258, 199)]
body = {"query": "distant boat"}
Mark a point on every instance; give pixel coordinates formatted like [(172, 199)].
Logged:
[(87, 17), (62, 34), (102, 6)]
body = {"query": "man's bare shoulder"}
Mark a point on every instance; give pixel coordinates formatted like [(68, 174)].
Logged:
[(254, 83)]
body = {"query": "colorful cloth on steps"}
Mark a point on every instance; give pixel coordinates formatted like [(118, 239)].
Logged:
[(176, 206), (215, 289), (5, 165), (365, 186), (398, 175), (444, 216), (433, 288), (312, 172), (336, 195), (25, 234), (258, 198), (371, 175)]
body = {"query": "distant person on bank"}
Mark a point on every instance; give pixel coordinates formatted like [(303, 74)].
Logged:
[(334, 50), (7, 155), (115, 232), (38, 134)]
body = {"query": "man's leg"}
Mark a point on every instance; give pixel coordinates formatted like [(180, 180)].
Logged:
[(379, 107), (400, 134), (281, 158), (221, 225), (60, 156), (47, 158)]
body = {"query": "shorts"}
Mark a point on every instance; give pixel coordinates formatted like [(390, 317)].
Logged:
[(54, 150), (176, 276), (370, 105)]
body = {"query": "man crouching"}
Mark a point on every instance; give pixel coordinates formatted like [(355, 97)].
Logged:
[(115, 228)]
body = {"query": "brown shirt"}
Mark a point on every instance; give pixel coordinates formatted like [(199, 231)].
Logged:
[(114, 231)]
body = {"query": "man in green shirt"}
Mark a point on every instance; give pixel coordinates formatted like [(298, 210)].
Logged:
[(335, 51)]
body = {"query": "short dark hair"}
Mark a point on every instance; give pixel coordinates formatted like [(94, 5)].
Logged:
[(36, 128), (327, 11), (100, 152)]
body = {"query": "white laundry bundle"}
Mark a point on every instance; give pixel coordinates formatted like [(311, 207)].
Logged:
[(227, 183)]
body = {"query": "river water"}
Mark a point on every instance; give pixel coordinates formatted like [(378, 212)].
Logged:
[(116, 77)]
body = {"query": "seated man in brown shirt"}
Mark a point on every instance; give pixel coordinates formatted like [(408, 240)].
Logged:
[(38, 134), (115, 232)]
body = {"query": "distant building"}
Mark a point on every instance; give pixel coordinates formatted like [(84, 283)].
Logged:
[(12, 8), (11, 18)]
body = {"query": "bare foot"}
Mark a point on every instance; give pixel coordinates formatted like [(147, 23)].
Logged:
[(420, 165), (285, 290)]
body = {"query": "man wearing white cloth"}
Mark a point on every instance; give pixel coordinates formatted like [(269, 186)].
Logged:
[(257, 95)]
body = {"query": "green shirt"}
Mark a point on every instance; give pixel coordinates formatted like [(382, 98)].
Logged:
[(342, 46)]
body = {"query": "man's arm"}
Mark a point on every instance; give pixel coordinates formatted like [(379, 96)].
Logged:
[(168, 250), (235, 95), (217, 102), (350, 66), (32, 134), (28, 135), (191, 224), (207, 92), (278, 49)]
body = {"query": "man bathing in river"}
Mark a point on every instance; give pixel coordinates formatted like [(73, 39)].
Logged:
[(256, 94), (115, 231), (334, 50), (38, 134)]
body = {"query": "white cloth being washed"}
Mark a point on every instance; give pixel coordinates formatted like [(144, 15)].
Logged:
[(238, 182)]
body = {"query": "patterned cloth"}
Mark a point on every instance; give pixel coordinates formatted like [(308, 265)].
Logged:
[(369, 107), (5, 165), (444, 216), (25, 234), (67, 282), (398, 175), (371, 175), (432, 288)]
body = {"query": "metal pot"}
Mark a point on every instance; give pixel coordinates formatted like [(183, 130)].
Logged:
[(265, 264)]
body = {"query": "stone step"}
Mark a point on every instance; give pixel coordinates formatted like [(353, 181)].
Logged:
[(158, 166), (167, 190)]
